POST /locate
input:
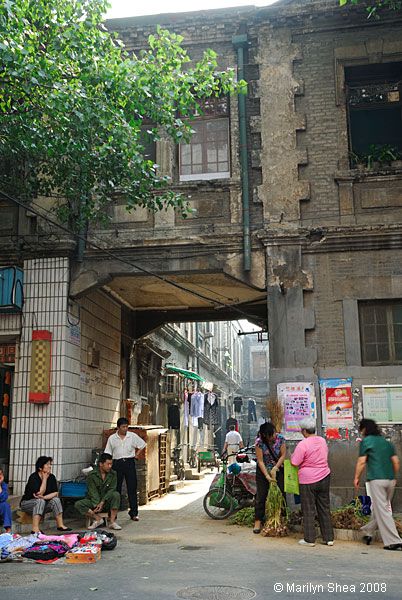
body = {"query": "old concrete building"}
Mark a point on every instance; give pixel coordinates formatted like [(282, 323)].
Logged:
[(297, 190)]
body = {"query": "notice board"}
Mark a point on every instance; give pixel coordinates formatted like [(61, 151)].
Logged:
[(383, 403)]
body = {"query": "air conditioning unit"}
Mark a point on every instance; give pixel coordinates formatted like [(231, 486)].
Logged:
[(11, 289)]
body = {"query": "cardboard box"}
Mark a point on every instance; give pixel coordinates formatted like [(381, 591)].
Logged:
[(76, 558)]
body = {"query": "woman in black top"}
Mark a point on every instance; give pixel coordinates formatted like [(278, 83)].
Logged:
[(41, 495)]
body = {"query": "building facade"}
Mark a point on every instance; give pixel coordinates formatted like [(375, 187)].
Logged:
[(302, 234)]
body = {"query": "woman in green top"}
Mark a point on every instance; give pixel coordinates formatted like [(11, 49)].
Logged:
[(378, 455)]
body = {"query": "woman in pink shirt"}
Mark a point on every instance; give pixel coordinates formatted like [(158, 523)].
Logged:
[(311, 456)]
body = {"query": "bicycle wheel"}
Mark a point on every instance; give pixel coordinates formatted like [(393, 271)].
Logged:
[(218, 504)]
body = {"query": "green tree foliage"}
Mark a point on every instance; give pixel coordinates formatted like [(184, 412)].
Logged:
[(374, 6), (74, 105)]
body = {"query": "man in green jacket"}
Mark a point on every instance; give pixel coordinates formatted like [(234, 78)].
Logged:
[(101, 495)]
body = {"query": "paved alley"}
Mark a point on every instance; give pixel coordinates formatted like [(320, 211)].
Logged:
[(175, 547)]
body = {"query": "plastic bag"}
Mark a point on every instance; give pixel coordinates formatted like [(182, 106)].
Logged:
[(291, 478)]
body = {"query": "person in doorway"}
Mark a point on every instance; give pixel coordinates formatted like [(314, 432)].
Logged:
[(41, 495), (102, 495), (5, 508), (311, 456), (270, 451), (379, 457), (124, 446), (233, 443)]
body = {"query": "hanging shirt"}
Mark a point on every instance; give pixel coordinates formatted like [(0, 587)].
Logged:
[(174, 417), (197, 405), (186, 409)]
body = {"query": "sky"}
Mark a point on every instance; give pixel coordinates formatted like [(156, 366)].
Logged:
[(131, 8)]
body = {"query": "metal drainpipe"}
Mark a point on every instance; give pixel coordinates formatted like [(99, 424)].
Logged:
[(240, 42)]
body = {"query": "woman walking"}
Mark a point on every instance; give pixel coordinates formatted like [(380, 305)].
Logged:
[(270, 450), (311, 456), (378, 455)]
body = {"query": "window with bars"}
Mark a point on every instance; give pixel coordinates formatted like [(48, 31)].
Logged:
[(381, 332), (374, 105), (207, 155)]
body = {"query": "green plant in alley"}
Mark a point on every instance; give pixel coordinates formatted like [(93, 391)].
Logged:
[(77, 111)]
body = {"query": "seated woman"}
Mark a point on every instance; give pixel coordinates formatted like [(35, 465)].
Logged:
[(41, 495)]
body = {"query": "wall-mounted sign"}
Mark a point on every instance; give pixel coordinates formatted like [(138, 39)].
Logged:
[(298, 401), (41, 360), (7, 353), (383, 403)]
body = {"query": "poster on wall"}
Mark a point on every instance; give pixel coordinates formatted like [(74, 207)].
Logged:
[(383, 403), (337, 406), (298, 401)]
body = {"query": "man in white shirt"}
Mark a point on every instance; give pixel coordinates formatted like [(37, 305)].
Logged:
[(124, 446), (233, 443)]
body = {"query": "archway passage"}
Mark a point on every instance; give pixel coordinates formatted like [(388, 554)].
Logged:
[(179, 297)]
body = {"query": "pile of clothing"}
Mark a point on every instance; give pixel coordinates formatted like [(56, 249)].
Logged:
[(48, 548)]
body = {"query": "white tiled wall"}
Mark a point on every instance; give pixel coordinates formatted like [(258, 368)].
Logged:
[(84, 400), (36, 429)]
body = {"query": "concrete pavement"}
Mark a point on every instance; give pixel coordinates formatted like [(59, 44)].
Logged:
[(175, 550)]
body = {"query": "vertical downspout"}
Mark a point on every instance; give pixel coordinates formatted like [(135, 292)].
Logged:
[(240, 42)]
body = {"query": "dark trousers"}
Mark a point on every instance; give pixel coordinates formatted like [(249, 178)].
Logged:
[(262, 492), (315, 497), (125, 469)]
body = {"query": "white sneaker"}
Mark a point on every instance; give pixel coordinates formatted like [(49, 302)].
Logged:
[(330, 543), (304, 543), (115, 526), (95, 524)]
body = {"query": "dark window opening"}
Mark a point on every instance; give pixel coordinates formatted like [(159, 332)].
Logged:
[(374, 102), (381, 332)]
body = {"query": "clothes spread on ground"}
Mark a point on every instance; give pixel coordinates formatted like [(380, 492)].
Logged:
[(252, 414), (238, 403), (174, 416), (211, 410)]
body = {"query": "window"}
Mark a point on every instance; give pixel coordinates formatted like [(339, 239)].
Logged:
[(381, 332), (374, 101), (170, 384), (206, 156), (259, 362)]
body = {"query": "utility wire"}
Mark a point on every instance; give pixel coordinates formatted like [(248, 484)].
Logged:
[(40, 214)]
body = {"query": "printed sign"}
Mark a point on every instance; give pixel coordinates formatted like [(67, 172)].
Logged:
[(383, 403), (337, 402), (298, 401)]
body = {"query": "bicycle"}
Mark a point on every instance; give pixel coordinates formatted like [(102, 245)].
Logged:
[(227, 494), (178, 464)]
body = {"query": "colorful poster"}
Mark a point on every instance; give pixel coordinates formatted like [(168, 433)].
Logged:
[(298, 401), (337, 403), (383, 403)]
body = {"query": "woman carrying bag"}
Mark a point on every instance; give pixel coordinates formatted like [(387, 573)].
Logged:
[(270, 450)]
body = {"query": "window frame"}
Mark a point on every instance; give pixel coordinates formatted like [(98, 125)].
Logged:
[(390, 324), (210, 113), (372, 106)]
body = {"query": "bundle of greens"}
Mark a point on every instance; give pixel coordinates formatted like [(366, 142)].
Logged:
[(275, 513), (349, 517), (244, 517)]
